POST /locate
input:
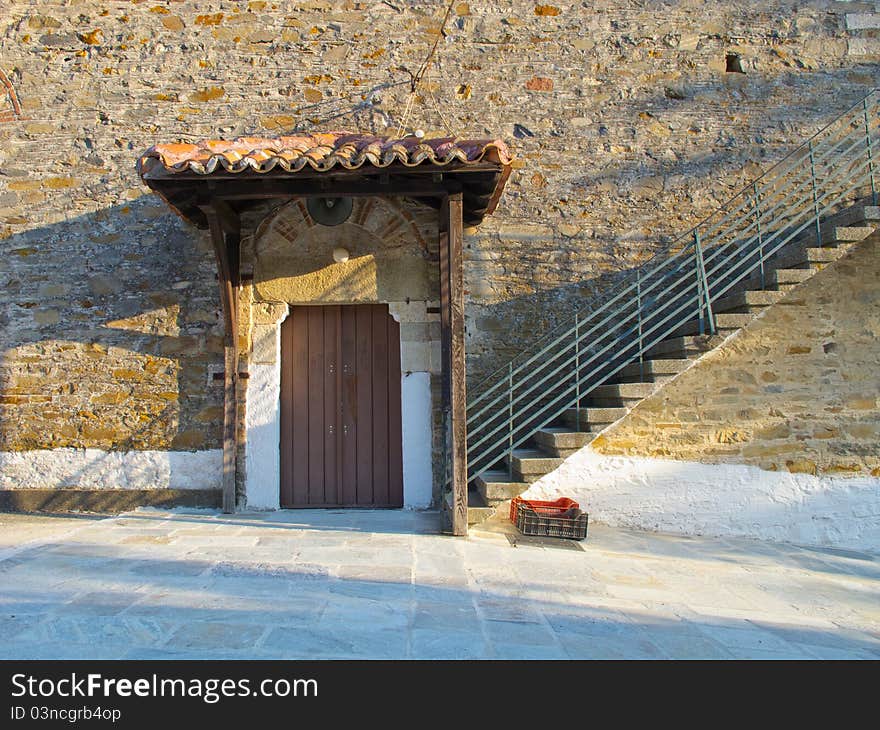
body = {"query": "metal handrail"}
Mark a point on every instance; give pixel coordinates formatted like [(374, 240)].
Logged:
[(676, 286)]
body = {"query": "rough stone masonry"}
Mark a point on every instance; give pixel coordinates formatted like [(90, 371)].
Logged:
[(630, 120)]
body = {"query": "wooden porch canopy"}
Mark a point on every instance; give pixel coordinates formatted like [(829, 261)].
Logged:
[(212, 182)]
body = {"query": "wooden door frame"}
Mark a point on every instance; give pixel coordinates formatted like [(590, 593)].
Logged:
[(225, 228)]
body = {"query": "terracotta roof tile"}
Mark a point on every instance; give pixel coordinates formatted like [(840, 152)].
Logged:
[(320, 151), (164, 165)]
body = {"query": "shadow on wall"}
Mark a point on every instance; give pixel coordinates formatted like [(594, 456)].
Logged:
[(110, 332)]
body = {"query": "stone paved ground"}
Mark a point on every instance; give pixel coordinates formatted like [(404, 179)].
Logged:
[(367, 584)]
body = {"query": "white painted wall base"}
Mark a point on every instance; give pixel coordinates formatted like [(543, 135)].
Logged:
[(263, 446), (97, 469), (415, 399), (719, 499)]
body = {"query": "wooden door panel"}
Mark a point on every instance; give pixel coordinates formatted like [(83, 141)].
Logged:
[(340, 410), (349, 410), (332, 356), (315, 417), (364, 404), (379, 372), (297, 370)]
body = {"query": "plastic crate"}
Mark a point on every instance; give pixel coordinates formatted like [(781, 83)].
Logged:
[(571, 524), (547, 509)]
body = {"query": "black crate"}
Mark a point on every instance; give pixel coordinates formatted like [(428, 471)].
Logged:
[(571, 524)]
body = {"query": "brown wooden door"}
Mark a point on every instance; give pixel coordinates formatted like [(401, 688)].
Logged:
[(340, 408)]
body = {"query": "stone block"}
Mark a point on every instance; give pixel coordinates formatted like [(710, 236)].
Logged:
[(265, 344), (414, 356), (188, 440), (801, 466), (412, 311), (863, 47), (862, 21), (415, 332), (47, 317)]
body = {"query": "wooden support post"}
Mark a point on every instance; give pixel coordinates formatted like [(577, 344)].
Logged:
[(452, 331), (226, 240)]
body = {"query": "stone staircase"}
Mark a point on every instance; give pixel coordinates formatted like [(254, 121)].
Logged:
[(491, 491)]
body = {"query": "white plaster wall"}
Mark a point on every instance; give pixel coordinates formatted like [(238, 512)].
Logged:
[(96, 469), (415, 400), (262, 449), (719, 499)]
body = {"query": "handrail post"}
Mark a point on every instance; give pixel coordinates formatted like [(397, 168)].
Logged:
[(703, 286), (815, 195), (510, 420), (757, 207), (639, 313), (577, 371), (699, 280), (870, 155)]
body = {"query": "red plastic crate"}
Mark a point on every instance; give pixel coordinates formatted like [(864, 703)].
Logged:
[(571, 524), (556, 508)]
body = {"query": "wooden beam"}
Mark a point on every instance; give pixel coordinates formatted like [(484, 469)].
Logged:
[(226, 189), (227, 249), (229, 219), (445, 359), (452, 345)]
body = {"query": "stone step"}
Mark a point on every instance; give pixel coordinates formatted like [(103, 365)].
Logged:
[(638, 378), (803, 255), (854, 216), (562, 442), (724, 323), (613, 395), (746, 300), (847, 234), (624, 391), (826, 255), (834, 234), (478, 511), (784, 279), (592, 419), (811, 257), (690, 346), (531, 464), (656, 371), (497, 486)]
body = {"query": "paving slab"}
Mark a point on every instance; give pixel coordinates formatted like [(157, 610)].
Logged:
[(332, 584)]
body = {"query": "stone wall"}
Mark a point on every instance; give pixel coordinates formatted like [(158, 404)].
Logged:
[(796, 390), (627, 126), (108, 332)]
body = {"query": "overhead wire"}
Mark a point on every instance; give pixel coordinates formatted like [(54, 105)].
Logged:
[(418, 76)]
